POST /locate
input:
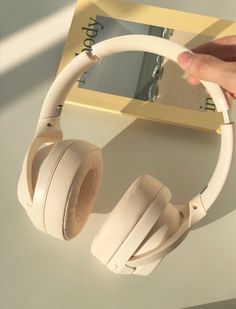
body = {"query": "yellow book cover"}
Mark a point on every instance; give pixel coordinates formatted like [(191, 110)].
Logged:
[(142, 84)]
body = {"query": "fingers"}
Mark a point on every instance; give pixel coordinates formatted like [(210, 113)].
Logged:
[(209, 68), (223, 48), (227, 40), (223, 52)]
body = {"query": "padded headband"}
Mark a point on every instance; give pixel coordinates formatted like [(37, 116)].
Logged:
[(49, 121)]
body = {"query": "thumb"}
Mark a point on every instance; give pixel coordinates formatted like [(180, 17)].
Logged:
[(209, 68)]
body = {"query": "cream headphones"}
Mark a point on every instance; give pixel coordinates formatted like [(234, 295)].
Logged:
[(61, 178)]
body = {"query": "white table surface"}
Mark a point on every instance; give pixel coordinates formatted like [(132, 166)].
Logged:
[(38, 271)]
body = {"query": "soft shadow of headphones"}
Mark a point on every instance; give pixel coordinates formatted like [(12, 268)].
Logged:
[(61, 178)]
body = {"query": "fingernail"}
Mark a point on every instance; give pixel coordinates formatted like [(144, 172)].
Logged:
[(185, 59)]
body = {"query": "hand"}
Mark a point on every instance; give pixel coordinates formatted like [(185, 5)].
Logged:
[(214, 61)]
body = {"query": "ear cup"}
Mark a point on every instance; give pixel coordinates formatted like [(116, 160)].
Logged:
[(22, 194), (166, 226), (41, 155), (67, 184), (124, 217)]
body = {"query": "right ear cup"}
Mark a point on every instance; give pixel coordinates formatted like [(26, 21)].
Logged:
[(67, 184), (126, 214)]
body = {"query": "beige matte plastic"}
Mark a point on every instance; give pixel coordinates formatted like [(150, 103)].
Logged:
[(61, 86), (219, 176), (164, 228)]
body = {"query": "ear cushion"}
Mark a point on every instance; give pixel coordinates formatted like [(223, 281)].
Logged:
[(124, 217), (67, 184)]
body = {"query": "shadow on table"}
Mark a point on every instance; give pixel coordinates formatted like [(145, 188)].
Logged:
[(226, 304), (182, 159)]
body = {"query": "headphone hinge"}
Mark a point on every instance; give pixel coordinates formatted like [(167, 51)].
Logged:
[(196, 210)]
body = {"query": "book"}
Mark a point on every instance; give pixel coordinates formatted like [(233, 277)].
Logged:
[(142, 84)]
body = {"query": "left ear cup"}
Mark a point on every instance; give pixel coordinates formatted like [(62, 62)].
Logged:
[(67, 184)]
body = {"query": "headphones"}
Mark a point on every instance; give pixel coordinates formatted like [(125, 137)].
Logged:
[(60, 178)]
